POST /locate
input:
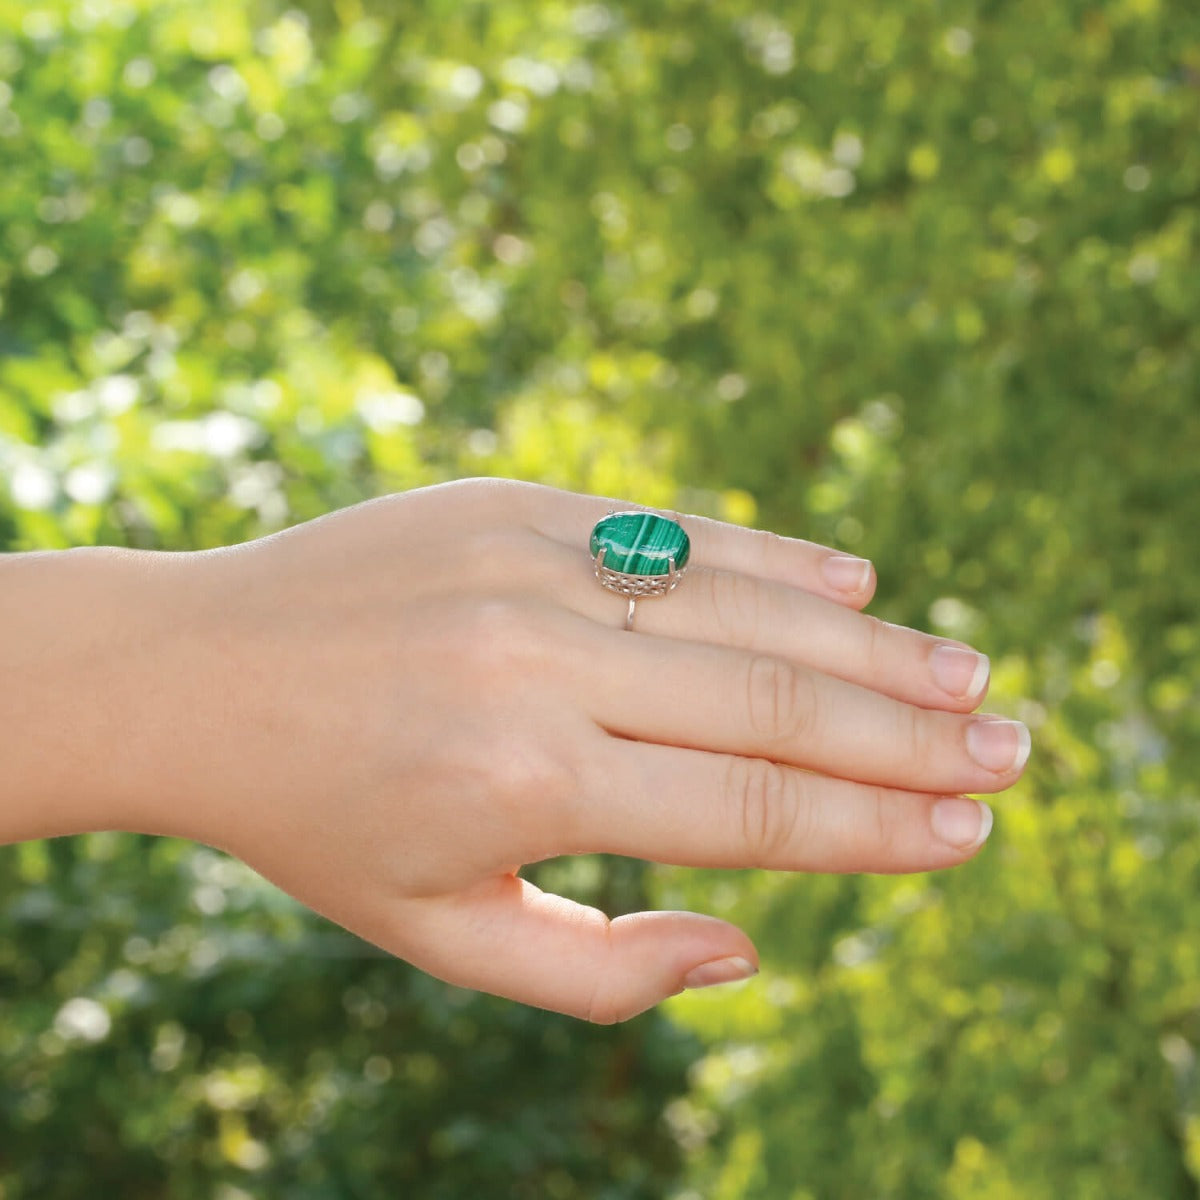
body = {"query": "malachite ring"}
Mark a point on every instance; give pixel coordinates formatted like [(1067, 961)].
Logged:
[(639, 554)]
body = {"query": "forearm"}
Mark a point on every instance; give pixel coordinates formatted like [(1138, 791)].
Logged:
[(77, 629)]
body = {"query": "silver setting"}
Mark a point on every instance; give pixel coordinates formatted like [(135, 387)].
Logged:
[(636, 587)]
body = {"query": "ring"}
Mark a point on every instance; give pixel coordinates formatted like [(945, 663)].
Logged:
[(639, 554)]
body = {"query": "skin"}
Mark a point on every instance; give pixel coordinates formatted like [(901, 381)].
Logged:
[(389, 710)]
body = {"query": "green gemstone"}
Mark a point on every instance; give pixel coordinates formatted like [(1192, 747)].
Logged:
[(641, 543)]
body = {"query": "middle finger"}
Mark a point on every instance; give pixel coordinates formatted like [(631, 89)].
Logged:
[(734, 701)]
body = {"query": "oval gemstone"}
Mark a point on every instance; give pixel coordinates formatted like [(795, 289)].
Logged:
[(641, 543)]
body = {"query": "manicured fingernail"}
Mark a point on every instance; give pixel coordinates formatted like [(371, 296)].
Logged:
[(958, 672), (961, 823), (999, 745), (722, 970), (846, 574)]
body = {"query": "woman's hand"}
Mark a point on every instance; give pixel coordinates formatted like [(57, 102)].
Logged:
[(389, 710)]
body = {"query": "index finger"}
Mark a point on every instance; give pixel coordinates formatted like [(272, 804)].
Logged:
[(568, 517)]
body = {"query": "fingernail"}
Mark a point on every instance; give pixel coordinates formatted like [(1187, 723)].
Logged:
[(999, 745), (959, 672), (721, 970), (961, 823), (846, 574)]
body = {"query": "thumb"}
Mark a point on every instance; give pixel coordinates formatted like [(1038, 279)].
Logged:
[(508, 937)]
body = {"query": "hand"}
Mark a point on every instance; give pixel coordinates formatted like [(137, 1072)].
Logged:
[(389, 710)]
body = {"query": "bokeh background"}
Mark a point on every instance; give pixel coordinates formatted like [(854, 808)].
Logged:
[(921, 280)]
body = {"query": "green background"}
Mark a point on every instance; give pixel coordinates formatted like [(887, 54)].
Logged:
[(921, 280)]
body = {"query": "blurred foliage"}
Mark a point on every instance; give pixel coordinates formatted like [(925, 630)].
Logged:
[(918, 279)]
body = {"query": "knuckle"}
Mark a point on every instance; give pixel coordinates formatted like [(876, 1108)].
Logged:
[(522, 792), (770, 810), (493, 494), (603, 1011), (768, 544), (500, 554), (500, 635), (526, 774), (603, 1004), (736, 602), (886, 822), (919, 737), (873, 641), (781, 699)]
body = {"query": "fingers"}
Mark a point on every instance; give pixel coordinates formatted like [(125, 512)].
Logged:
[(760, 615), (507, 937), (568, 518), (749, 613), (698, 809), (738, 702)]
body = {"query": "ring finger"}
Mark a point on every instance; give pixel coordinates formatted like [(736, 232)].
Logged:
[(750, 613)]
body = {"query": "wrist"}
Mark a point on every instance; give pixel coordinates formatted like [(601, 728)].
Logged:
[(82, 634)]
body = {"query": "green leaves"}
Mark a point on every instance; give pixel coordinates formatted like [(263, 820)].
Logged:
[(921, 284)]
